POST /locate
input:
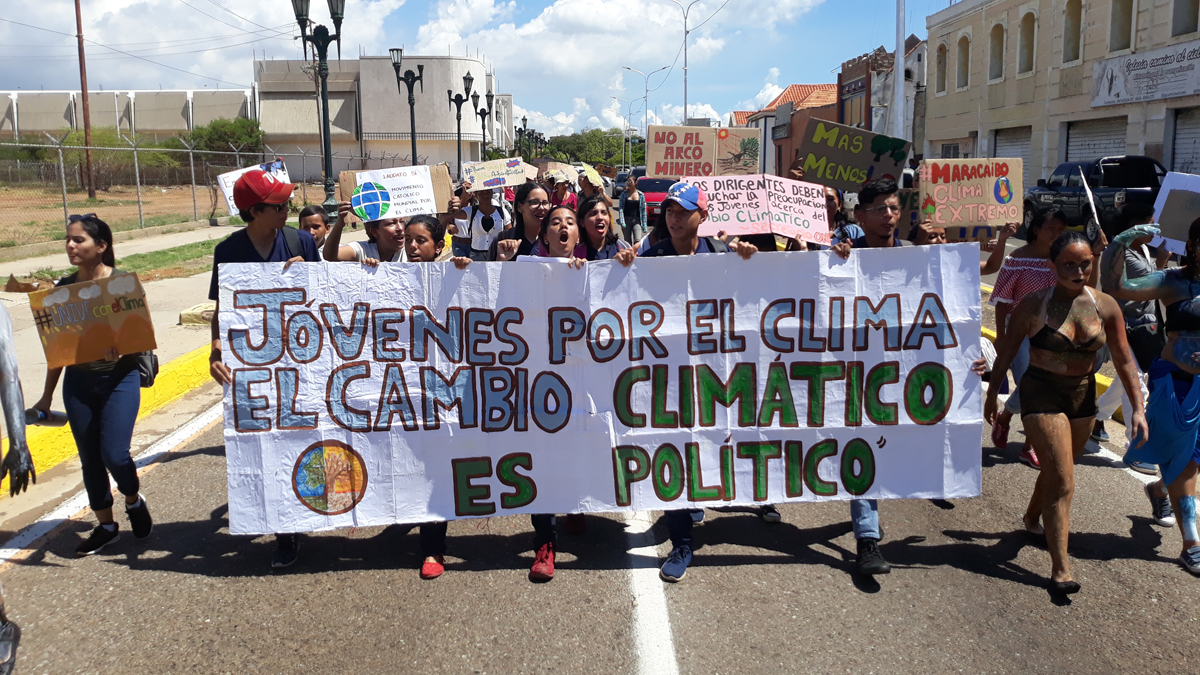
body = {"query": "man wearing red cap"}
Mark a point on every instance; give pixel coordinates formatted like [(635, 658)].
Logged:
[(262, 201)]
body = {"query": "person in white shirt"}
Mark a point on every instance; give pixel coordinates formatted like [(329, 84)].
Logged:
[(481, 219), (385, 241)]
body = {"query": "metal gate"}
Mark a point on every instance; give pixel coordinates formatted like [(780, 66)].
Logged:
[(1185, 155), (1016, 143), (1096, 138)]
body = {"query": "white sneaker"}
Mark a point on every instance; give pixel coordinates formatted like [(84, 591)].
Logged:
[(1191, 560), (1160, 508)]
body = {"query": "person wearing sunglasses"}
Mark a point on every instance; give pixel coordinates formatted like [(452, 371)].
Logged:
[(101, 399), (262, 202)]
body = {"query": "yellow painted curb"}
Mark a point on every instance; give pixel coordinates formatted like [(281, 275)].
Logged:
[(52, 445)]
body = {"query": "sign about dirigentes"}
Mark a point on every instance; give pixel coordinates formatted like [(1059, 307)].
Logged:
[(415, 392)]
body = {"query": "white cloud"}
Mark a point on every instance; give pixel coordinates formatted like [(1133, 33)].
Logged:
[(770, 90), (673, 114), (57, 297), (122, 285), (89, 292)]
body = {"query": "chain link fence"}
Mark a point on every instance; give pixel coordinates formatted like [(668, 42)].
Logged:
[(138, 186)]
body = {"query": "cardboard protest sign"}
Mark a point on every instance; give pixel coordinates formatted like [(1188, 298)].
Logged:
[(845, 157), (910, 217), (225, 181), (421, 392), (439, 176), (494, 174), (592, 175), (80, 322), (607, 170), (560, 172), (970, 192), (531, 171), (759, 204), (737, 151), (1175, 209), (672, 152)]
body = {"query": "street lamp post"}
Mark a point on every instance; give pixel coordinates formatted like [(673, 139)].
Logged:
[(524, 131), (409, 79), (685, 41), (484, 114), (646, 98), (457, 100), (321, 39)]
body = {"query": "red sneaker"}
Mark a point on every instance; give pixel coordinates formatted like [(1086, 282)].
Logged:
[(575, 523), (1000, 433), (543, 564), (1029, 456), (433, 569)]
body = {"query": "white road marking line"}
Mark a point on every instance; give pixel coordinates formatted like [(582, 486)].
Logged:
[(44, 525), (651, 619)]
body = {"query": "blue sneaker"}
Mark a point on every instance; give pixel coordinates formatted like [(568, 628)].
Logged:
[(697, 515), (677, 563), (1189, 560), (1143, 467)]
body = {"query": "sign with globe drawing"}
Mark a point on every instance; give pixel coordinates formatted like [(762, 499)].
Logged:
[(329, 477), (371, 201), (394, 193)]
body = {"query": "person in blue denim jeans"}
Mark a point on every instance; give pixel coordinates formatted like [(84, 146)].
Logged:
[(101, 399)]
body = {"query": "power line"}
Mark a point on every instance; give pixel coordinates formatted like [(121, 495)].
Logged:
[(179, 42), (216, 19), (68, 57), (134, 56), (238, 15)]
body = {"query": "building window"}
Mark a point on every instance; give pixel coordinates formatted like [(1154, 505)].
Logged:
[(949, 150), (1026, 42), (941, 69), (1120, 26), (964, 62), (852, 111), (1072, 30), (1183, 18), (996, 56)]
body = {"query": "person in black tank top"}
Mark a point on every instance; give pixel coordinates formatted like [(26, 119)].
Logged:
[(1066, 325)]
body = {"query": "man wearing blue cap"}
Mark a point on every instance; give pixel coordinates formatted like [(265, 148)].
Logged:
[(684, 209)]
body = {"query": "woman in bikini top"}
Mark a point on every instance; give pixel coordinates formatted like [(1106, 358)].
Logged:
[(1056, 349)]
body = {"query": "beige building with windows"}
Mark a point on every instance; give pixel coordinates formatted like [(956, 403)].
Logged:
[(1052, 81)]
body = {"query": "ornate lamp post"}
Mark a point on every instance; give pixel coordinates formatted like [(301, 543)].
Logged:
[(321, 39), (457, 100), (409, 79), (520, 134), (484, 114)]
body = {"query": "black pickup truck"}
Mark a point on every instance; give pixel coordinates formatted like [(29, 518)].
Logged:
[(1114, 181)]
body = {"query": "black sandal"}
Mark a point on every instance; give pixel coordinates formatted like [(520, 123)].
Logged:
[(1065, 587), (10, 637)]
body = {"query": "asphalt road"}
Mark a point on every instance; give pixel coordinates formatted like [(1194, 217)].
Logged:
[(967, 593)]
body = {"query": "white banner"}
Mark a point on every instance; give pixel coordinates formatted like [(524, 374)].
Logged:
[(416, 392), (1168, 72)]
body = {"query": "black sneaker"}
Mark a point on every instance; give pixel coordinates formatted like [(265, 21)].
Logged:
[(10, 639), (870, 560), (98, 539), (139, 518), (287, 550)]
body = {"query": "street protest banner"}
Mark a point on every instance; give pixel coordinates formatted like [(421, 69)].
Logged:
[(845, 157), (1175, 209), (592, 175), (393, 193), (910, 217), (494, 174), (439, 176), (225, 181), (409, 393), (970, 192), (737, 151), (762, 204), (78, 323)]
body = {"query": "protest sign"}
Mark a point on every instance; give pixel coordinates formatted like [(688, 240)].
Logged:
[(410, 393), (77, 323), (1175, 209), (439, 175), (970, 192), (737, 151), (225, 181), (607, 170), (560, 172), (592, 175), (494, 174), (760, 204), (672, 152), (910, 217), (393, 193), (846, 157), (531, 172)]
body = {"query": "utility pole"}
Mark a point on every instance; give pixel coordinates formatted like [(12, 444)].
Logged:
[(685, 61), (87, 112), (898, 81)]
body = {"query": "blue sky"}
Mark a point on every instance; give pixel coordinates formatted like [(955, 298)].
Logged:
[(560, 59)]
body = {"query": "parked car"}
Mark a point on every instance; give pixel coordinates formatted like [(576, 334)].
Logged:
[(1114, 182), (619, 184), (654, 191)]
